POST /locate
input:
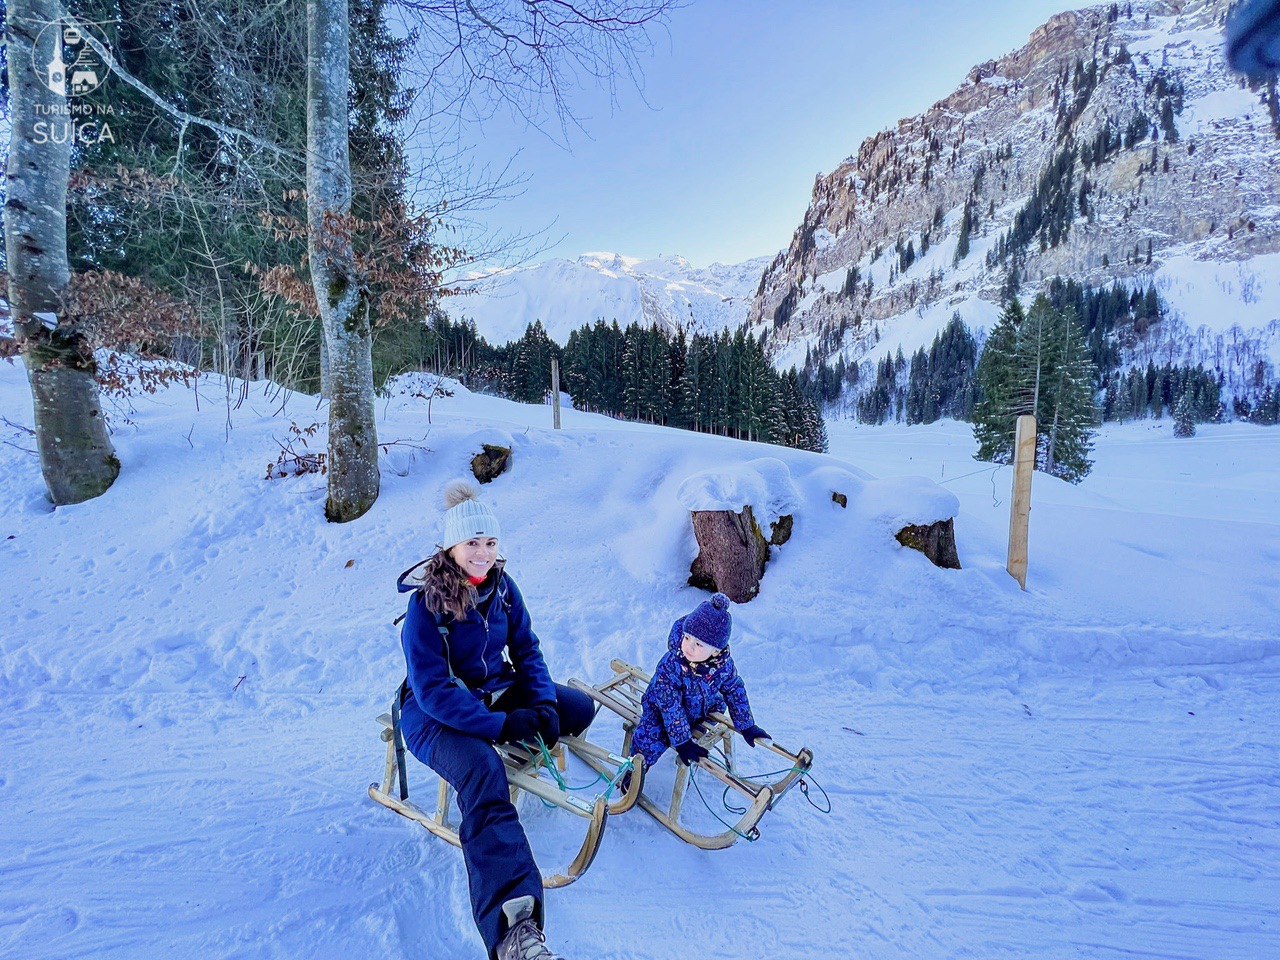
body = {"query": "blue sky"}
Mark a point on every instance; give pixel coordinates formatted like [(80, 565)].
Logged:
[(746, 101)]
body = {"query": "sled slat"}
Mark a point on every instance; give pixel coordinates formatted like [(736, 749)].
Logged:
[(677, 793), (522, 774), (389, 774), (720, 841), (407, 808), (607, 765)]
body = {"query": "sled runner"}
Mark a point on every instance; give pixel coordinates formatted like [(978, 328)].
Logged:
[(622, 695), (523, 768)]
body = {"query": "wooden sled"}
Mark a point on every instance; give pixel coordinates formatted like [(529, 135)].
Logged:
[(622, 694), (522, 774)]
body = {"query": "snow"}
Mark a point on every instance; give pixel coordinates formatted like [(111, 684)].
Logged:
[(1219, 295), (1200, 116), (194, 661), (1224, 314), (1183, 44), (764, 484), (916, 329)]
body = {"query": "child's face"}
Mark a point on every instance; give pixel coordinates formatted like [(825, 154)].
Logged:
[(694, 650)]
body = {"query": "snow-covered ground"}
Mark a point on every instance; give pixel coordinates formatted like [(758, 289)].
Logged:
[(192, 665)]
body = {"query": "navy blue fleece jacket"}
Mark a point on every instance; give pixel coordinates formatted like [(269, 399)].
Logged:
[(474, 648)]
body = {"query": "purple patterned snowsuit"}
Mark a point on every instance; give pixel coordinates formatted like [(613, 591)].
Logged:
[(680, 694)]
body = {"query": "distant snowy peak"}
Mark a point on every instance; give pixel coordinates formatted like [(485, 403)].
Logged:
[(568, 294)]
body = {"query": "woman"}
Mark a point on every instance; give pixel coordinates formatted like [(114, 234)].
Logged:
[(476, 677)]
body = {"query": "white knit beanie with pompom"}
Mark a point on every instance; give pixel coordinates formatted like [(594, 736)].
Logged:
[(466, 516)]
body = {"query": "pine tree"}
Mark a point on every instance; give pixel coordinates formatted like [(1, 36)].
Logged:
[(758, 394), (693, 385), (632, 371), (677, 357), (1037, 364), (791, 409), (1184, 421), (1068, 406), (721, 387), (656, 399), (1001, 397), (966, 228), (815, 429)]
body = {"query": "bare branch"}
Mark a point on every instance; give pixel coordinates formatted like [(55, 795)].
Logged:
[(527, 55), (187, 118)]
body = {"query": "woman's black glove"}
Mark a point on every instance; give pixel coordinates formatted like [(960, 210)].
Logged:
[(548, 723), (520, 725), (690, 753), (754, 733)]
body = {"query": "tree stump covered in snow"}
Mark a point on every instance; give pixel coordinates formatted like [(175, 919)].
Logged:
[(937, 541), (491, 462), (731, 507), (732, 552)]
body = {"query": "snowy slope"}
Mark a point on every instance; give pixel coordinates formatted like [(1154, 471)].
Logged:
[(193, 663), (1197, 214), (567, 294)]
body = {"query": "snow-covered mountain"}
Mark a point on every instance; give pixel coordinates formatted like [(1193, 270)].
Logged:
[(566, 294), (1115, 146)]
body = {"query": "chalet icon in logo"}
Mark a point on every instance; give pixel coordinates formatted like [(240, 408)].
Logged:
[(65, 61)]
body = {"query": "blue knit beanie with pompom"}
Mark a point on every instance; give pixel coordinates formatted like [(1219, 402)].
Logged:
[(710, 622)]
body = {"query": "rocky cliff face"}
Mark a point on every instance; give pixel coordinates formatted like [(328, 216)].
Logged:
[(1116, 144)]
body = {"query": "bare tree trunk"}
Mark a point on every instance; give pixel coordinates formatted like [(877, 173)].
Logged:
[(76, 456), (353, 438)]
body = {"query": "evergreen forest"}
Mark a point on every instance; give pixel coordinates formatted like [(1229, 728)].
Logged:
[(720, 383)]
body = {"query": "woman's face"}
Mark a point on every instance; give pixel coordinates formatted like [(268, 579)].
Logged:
[(475, 556), (694, 650)]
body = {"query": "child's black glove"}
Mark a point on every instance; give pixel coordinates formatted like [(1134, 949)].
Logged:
[(690, 753), (754, 733), (548, 723), (520, 725)]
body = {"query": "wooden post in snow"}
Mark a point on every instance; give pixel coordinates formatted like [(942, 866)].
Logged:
[(1024, 462), (555, 393)]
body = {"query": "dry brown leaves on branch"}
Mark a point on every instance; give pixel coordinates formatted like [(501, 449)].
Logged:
[(137, 186), (293, 462), (121, 375), (398, 265), (121, 312)]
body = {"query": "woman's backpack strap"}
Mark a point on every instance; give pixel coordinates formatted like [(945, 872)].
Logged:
[(403, 587), (504, 591)]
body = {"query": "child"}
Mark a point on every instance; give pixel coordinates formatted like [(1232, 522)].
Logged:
[(694, 677)]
